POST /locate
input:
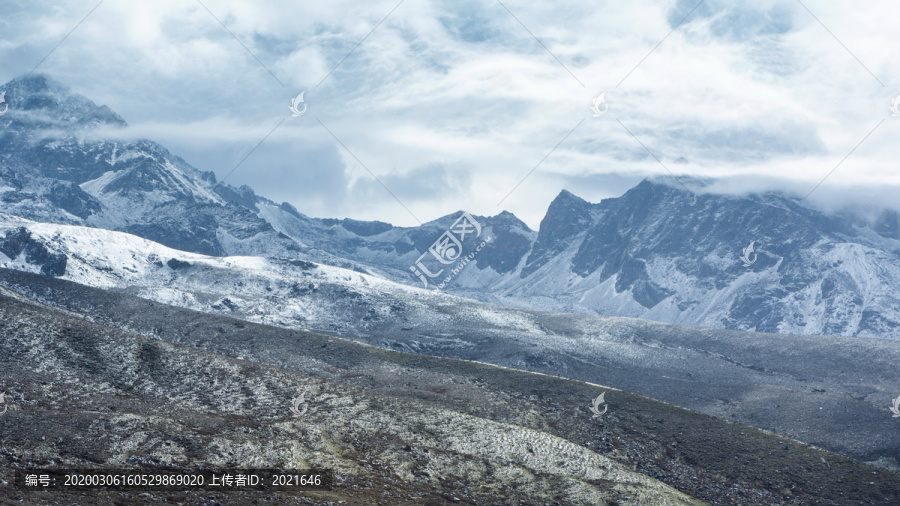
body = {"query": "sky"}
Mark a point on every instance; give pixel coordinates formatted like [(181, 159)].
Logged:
[(418, 108)]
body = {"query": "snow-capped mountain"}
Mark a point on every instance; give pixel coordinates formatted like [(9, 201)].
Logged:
[(279, 291), (666, 253), (659, 252), (672, 254), (54, 168)]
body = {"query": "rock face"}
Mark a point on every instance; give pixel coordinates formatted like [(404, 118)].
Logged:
[(395, 428), (18, 241), (662, 251), (666, 253)]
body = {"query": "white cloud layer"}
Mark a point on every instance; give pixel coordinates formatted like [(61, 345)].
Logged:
[(451, 103)]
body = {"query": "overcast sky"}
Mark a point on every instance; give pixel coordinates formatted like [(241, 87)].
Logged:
[(451, 104)]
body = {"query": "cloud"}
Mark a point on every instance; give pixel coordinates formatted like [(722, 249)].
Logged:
[(458, 102), (434, 182), (737, 22)]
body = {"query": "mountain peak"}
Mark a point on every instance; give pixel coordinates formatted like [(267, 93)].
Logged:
[(567, 205), (567, 216), (53, 104), (37, 83), (567, 196), (510, 219)]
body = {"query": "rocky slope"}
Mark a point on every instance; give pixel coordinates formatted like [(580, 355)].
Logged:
[(396, 428), (84, 396), (830, 391), (824, 390)]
